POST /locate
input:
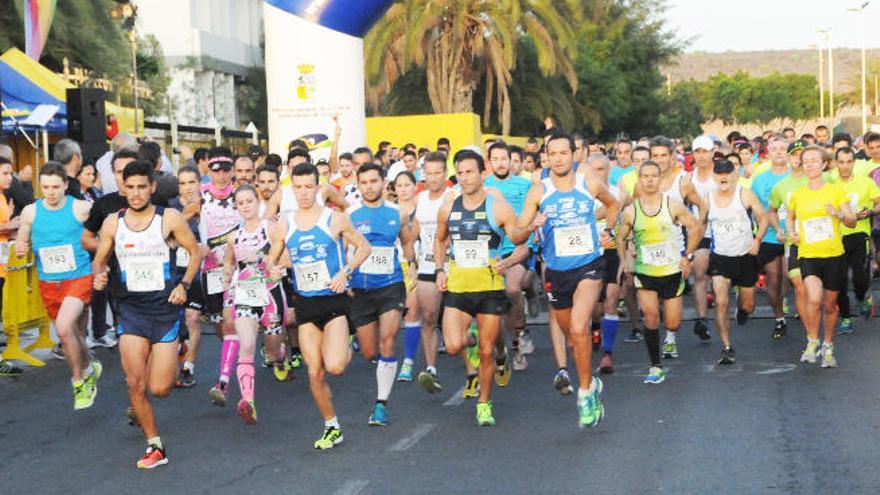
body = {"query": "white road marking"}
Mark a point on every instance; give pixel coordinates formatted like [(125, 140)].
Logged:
[(456, 398), (782, 369), (352, 487), (408, 441)]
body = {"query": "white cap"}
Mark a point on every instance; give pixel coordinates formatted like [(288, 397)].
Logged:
[(703, 142)]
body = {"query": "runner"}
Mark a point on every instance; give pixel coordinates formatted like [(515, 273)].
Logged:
[(217, 219), (243, 168), (267, 183), (514, 189), (144, 240), (864, 200), (405, 188), (563, 207), (654, 219), (734, 247), (284, 202), (188, 181), (817, 210), (704, 184), (314, 238), (428, 204), (8, 225), (770, 255), (258, 301), (675, 185), (623, 161), (378, 285), (53, 227), (473, 225)]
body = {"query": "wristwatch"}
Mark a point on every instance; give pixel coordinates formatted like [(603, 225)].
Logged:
[(185, 284), (348, 271), (690, 257), (439, 270)]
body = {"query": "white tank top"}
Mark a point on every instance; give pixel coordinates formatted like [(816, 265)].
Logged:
[(674, 192), (426, 213), (703, 189), (288, 201), (730, 227)]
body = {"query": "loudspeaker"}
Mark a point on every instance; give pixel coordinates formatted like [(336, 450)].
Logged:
[(85, 115)]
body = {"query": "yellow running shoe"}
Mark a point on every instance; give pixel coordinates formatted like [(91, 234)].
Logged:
[(471, 387), (502, 371)]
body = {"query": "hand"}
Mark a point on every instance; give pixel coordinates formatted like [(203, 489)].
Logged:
[(756, 246), (227, 276), (178, 295), (780, 236), (338, 283), (411, 277), (620, 271), (605, 239), (502, 266), (685, 266), (276, 272), (832, 210), (100, 279), (338, 129), (22, 248), (441, 281), (793, 238), (863, 214), (538, 222)]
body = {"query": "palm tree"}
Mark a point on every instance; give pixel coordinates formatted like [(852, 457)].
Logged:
[(459, 42)]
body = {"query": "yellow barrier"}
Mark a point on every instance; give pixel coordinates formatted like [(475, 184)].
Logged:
[(23, 309)]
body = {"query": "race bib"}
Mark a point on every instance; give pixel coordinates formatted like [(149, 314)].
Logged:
[(818, 229), (728, 230), (660, 254), (427, 242), (57, 259), (144, 276), (782, 213), (214, 279), (380, 262), (311, 277), (4, 252), (252, 293), (471, 254), (576, 240), (182, 258), (854, 202)]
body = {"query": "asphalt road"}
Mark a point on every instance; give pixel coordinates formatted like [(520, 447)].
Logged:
[(765, 425)]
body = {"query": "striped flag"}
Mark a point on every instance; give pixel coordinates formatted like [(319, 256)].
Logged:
[(37, 21)]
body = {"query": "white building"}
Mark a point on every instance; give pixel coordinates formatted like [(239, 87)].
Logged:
[(209, 46)]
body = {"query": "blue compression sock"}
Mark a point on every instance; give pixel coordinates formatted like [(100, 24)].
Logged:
[(609, 331), (411, 338)]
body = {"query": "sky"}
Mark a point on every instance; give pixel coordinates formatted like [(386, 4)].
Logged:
[(748, 25)]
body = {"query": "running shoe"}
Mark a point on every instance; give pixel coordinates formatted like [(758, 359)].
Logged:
[(728, 356), (810, 353), (186, 379), (502, 370), (590, 409), (57, 352), (473, 351), (785, 308), (108, 341), (596, 337), (90, 342), (634, 337), (8, 369), (406, 373), (484, 414), (866, 307), (83, 395), (471, 387), (526, 343), (332, 437), (846, 326), (670, 350), (266, 362), (218, 394), (355, 345), (296, 360), (779, 329), (441, 347), (827, 352), (761, 284), (428, 380), (655, 375), (520, 363), (710, 300), (562, 382), (741, 316), (606, 365), (379, 416), (701, 330), (131, 416), (281, 371), (153, 458), (532, 303), (248, 411)]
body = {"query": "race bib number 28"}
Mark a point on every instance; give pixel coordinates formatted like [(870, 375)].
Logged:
[(576, 240)]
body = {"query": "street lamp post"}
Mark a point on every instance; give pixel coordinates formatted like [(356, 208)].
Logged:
[(132, 38), (864, 65), (826, 34), (821, 82)]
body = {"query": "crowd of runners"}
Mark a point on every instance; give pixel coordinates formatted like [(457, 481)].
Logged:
[(298, 263)]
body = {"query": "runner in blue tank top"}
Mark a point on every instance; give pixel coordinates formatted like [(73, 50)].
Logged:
[(149, 294), (563, 208), (379, 290), (53, 227), (314, 240), (515, 264)]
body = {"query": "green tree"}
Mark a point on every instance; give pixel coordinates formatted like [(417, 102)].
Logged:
[(682, 111), (741, 98), (460, 42)]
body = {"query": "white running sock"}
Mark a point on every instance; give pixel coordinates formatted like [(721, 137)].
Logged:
[(386, 372), (670, 337), (331, 423)]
